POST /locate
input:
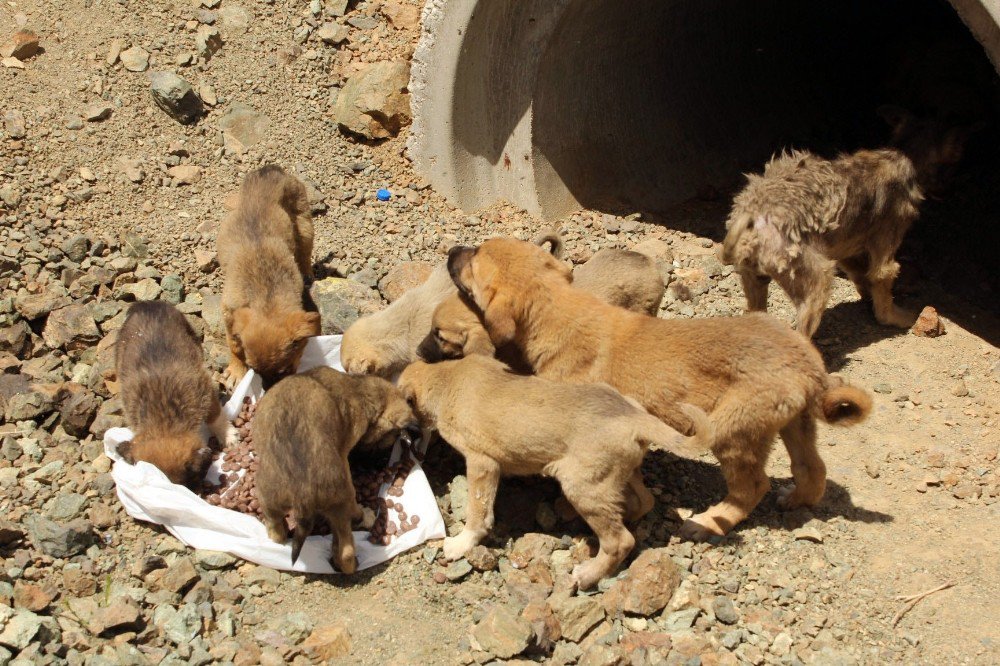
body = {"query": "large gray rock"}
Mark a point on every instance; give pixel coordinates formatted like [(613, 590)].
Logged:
[(60, 540), (71, 328), (375, 103), (176, 97), (16, 338), (28, 405), (341, 302)]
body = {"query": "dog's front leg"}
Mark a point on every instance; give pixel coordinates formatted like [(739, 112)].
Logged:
[(484, 477)]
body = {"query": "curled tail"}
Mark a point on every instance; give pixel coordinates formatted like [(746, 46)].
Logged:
[(737, 226), (842, 404), (555, 241), (303, 528), (656, 432)]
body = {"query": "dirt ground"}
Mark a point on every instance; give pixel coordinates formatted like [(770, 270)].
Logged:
[(913, 499)]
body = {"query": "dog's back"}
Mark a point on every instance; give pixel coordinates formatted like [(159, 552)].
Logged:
[(622, 277)]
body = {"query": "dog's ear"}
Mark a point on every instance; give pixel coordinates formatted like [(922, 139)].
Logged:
[(125, 451), (895, 116), (477, 341), (458, 259), (499, 320), (306, 325)]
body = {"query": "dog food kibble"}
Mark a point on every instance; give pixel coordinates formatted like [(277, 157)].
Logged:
[(238, 492)]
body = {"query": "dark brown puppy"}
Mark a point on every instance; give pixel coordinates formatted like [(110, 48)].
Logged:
[(754, 375), (167, 393), (265, 251), (305, 427)]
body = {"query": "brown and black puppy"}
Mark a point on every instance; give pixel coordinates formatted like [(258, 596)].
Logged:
[(588, 437), (167, 393), (754, 375), (265, 251), (305, 427)]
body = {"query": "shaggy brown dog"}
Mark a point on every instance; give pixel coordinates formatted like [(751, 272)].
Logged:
[(265, 250), (386, 342), (167, 393), (304, 428), (753, 374), (588, 437), (805, 216)]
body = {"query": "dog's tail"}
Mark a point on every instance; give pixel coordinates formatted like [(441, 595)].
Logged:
[(303, 528), (842, 404), (554, 239), (737, 226), (653, 431)]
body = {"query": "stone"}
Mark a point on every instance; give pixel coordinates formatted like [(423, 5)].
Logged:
[(73, 121), (120, 616), (179, 576), (681, 619), (599, 654), (20, 630), (243, 127), (135, 59), (76, 247), (23, 45), (134, 245), (532, 547), (66, 506), (543, 622), (404, 276), (184, 625), (928, 324), (16, 338), (28, 405), (457, 570), (647, 586), (206, 260), (725, 611), (71, 328), (185, 174), (333, 33), (959, 389), (214, 559), (31, 597), (78, 583), (328, 642), (336, 7), (576, 615), (60, 539), (375, 103), (401, 16), (235, 18), (341, 302), (502, 633), (36, 306), (296, 627), (207, 41), (481, 558), (10, 533), (650, 641), (95, 113), (176, 97), (14, 124), (143, 290), (808, 533)]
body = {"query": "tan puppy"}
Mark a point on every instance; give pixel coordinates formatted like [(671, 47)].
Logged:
[(167, 393), (265, 250), (304, 428), (624, 278), (386, 342), (753, 374), (588, 437)]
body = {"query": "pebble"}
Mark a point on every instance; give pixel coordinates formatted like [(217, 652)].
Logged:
[(135, 59)]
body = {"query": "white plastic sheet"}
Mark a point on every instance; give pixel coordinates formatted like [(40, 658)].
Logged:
[(147, 494)]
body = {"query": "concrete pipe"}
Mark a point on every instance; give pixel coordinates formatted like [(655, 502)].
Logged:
[(555, 105)]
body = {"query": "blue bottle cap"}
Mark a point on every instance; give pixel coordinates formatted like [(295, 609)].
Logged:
[(383, 195)]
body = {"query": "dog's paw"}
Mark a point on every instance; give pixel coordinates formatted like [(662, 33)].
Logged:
[(232, 375), (232, 435), (277, 533), (457, 546), (700, 528), (587, 574), (790, 497)]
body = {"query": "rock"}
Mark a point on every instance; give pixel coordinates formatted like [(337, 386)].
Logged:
[(179, 576), (928, 324), (20, 630), (599, 654), (135, 59), (366, 276), (374, 102), (23, 45), (401, 16), (333, 33), (458, 497), (207, 41), (78, 583), (31, 597), (725, 611), (959, 389), (404, 276), (28, 405), (235, 18), (36, 306), (14, 124), (98, 112), (647, 586), (73, 122), (16, 339), (576, 615), (76, 247), (532, 547), (114, 52), (214, 559), (184, 625), (341, 302), (808, 533), (176, 97), (122, 615), (243, 127), (71, 328), (689, 283), (295, 627), (681, 619), (206, 260), (502, 633), (10, 533), (108, 416), (134, 245), (650, 641), (328, 642), (65, 506), (336, 7), (481, 558), (458, 570), (143, 290), (185, 174), (60, 539)]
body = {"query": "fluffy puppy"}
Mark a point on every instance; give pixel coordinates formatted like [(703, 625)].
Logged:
[(304, 429), (167, 393), (386, 342), (265, 250), (588, 437), (624, 278), (754, 375)]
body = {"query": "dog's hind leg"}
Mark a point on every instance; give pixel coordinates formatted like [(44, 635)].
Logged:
[(882, 275), (808, 468), (755, 287), (342, 551), (809, 285), (638, 500), (856, 269), (601, 504), (484, 478)]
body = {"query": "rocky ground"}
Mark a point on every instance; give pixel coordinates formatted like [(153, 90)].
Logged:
[(113, 178)]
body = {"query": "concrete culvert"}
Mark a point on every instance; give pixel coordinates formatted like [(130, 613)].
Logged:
[(556, 105)]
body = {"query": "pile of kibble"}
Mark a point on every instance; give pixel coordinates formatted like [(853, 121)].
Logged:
[(237, 491)]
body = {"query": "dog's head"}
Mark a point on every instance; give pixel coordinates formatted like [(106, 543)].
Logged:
[(498, 274), (456, 331), (273, 345), (395, 414), (184, 459), (414, 383)]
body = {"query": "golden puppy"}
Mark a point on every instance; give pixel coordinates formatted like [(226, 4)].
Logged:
[(753, 374), (304, 428), (265, 250), (588, 437), (624, 278), (386, 342), (167, 393)]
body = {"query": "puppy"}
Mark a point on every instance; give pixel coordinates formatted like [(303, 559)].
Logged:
[(386, 342), (754, 375), (167, 393), (588, 437), (624, 278), (265, 250), (304, 429), (620, 277)]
